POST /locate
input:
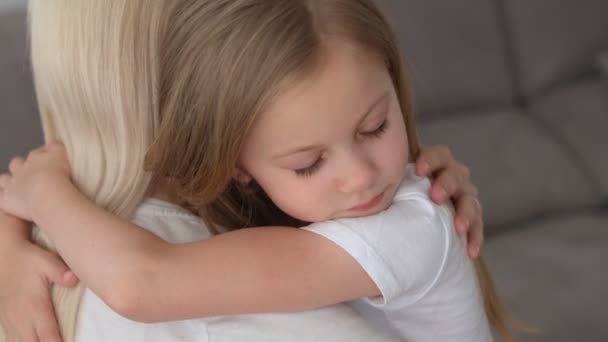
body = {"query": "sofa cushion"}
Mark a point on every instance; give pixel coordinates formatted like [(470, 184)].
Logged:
[(602, 63), (577, 114), (521, 171), (553, 275), (555, 40), (455, 52), (19, 123)]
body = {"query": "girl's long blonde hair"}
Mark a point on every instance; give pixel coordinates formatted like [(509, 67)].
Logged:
[(246, 52), (174, 86)]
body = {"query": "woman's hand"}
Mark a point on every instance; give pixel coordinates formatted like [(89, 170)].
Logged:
[(30, 179), (452, 180), (26, 273)]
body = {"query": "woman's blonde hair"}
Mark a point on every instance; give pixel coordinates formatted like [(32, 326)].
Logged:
[(174, 86), (95, 72)]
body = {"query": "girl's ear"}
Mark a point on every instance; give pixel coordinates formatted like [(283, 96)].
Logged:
[(241, 175)]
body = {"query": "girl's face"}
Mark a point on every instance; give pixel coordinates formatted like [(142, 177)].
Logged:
[(331, 146)]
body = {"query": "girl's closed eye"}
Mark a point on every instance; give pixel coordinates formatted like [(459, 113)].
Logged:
[(310, 170), (377, 132), (316, 165)]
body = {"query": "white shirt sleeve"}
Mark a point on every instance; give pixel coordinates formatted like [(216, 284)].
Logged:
[(428, 285), (403, 249)]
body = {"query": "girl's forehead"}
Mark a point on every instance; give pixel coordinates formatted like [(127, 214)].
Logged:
[(345, 72), (336, 94)]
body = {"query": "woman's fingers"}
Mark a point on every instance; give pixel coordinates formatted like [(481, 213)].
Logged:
[(454, 181), (56, 271), (475, 239), (18, 329), (452, 177), (469, 221), (432, 159), (23, 336), (47, 328), (29, 316)]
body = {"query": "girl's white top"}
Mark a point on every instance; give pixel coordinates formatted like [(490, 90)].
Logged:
[(428, 285), (97, 322)]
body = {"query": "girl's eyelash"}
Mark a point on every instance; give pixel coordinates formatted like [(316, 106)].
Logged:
[(377, 132), (310, 170)]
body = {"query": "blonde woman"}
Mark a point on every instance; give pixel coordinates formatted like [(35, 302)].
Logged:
[(127, 73)]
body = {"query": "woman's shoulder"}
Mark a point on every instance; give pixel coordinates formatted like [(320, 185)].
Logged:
[(413, 186), (170, 222), (412, 200)]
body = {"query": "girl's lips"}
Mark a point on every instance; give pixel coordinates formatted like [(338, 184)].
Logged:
[(369, 204)]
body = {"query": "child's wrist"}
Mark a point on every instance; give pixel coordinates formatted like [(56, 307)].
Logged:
[(48, 194)]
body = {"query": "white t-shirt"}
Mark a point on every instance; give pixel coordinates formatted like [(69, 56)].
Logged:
[(97, 322), (413, 254)]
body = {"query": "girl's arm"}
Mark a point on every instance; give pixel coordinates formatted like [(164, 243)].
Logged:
[(254, 270), (144, 278), (271, 269)]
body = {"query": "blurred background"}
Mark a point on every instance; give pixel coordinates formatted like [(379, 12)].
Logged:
[(12, 3), (518, 90)]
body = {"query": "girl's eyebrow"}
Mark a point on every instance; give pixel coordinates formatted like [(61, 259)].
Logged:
[(298, 150), (381, 98), (364, 116)]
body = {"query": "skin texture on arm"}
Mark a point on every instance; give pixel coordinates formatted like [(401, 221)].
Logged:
[(269, 269), (135, 273)]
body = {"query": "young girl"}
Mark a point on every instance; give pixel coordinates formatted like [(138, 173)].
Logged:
[(307, 97)]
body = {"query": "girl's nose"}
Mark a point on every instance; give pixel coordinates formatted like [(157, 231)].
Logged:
[(357, 175)]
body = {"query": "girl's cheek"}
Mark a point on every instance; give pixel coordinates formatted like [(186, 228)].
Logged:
[(399, 150)]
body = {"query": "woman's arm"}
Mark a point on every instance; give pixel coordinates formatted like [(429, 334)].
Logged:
[(26, 310)]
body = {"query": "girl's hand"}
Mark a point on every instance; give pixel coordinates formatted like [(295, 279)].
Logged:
[(26, 273), (452, 180), (30, 179)]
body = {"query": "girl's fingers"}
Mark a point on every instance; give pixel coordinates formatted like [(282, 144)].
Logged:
[(54, 143), (4, 179), (15, 164)]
